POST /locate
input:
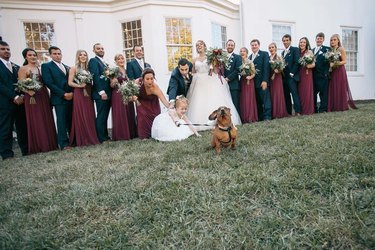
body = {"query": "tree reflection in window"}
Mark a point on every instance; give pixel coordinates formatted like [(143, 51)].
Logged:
[(179, 40)]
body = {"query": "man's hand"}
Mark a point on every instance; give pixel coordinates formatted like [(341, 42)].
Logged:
[(68, 96), (19, 100), (104, 96), (264, 85)]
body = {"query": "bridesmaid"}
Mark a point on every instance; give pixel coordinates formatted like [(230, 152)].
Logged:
[(83, 130), (276, 86), (41, 131), (120, 111), (306, 84), (149, 96), (248, 104), (339, 95)]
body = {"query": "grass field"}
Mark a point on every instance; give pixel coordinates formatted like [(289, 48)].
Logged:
[(297, 183)]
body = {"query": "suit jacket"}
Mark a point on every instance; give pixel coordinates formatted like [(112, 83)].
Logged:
[(177, 84), (134, 70), (57, 82), (321, 69), (292, 66), (7, 81), (97, 68), (232, 70), (262, 66)]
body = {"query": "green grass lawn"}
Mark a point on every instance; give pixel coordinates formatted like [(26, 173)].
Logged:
[(295, 183)]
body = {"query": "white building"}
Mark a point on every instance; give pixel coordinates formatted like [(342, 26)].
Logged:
[(169, 29)]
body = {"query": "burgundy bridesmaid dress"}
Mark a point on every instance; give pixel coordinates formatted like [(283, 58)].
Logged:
[(248, 104), (83, 130), (41, 130), (146, 112), (306, 91), (339, 95), (120, 117), (277, 96)]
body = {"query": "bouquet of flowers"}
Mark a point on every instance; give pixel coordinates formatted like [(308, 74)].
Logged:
[(278, 64), (31, 83), (217, 58), (128, 89), (248, 69), (332, 56), (83, 76), (110, 73), (306, 59)]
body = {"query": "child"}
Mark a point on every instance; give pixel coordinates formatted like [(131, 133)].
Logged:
[(173, 125)]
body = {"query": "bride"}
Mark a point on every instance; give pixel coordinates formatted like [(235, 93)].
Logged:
[(207, 92)]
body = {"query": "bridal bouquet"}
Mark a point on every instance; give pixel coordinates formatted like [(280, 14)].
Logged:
[(31, 83), (83, 76), (306, 59), (217, 57), (278, 64), (110, 73), (332, 56), (128, 89)]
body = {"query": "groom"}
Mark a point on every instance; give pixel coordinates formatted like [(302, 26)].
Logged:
[(180, 80), (231, 73)]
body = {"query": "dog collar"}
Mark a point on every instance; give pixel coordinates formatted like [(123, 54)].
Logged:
[(224, 128)]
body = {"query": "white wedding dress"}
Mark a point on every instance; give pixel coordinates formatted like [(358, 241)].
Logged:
[(206, 94)]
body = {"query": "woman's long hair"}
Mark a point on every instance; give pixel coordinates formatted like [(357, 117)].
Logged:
[(78, 64)]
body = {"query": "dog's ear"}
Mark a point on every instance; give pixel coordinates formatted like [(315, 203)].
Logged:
[(213, 115)]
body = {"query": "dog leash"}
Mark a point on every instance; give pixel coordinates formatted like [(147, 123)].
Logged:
[(196, 124)]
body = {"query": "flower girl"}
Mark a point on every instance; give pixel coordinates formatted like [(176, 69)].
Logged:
[(174, 125)]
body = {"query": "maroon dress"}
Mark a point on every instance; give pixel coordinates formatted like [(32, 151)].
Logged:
[(277, 96), (83, 130), (120, 117), (146, 112), (41, 130), (339, 95), (306, 90), (248, 103)]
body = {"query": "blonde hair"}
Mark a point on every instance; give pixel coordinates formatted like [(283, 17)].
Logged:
[(274, 44), (338, 38), (78, 64), (201, 41), (117, 56), (180, 100)]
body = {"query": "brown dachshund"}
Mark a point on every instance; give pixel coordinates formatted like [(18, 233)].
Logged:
[(224, 133)]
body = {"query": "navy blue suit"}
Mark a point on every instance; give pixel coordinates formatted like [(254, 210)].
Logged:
[(290, 82), (134, 70), (177, 84), (262, 66), (11, 113), (231, 72), (321, 79), (57, 82), (97, 67)]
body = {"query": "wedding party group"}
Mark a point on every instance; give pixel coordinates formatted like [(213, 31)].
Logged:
[(256, 86)]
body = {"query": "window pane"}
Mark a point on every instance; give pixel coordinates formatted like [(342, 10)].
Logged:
[(350, 43), (39, 36), (179, 40), (278, 31), (132, 35)]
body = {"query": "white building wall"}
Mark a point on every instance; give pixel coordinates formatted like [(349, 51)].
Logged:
[(310, 17)]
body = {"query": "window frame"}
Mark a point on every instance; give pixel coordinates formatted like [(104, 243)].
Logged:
[(128, 51), (223, 35), (278, 41), (349, 51)]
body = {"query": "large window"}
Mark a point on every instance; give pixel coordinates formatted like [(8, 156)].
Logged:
[(219, 35), (350, 43), (278, 31), (132, 35), (39, 36), (179, 40)]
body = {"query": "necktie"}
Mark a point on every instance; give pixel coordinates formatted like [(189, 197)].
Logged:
[(253, 56), (62, 68), (141, 64), (285, 52), (316, 50), (9, 66)]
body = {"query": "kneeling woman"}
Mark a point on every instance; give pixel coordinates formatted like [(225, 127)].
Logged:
[(149, 108), (173, 125)]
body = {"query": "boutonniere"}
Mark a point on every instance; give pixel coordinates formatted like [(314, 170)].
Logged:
[(320, 52)]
